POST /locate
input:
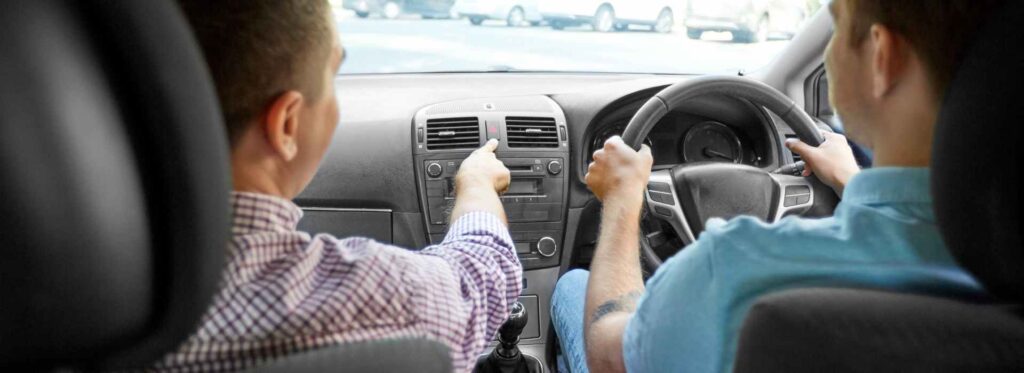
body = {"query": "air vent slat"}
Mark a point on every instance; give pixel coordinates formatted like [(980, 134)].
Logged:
[(453, 133), (531, 132)]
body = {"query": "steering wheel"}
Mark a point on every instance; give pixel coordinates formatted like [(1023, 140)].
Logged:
[(687, 195)]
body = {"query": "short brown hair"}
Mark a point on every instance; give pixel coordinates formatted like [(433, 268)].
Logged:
[(258, 49), (940, 31)]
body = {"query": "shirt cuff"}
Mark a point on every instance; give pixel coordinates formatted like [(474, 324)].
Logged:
[(479, 223)]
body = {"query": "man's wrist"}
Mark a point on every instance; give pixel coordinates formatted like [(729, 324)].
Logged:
[(632, 201), (473, 186)]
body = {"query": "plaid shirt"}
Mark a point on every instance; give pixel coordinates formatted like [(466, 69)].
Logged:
[(285, 291)]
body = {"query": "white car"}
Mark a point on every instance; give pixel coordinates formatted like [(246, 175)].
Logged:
[(513, 12), (749, 21), (612, 15)]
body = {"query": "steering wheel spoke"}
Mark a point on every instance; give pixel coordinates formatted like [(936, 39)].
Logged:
[(794, 195), (664, 203)]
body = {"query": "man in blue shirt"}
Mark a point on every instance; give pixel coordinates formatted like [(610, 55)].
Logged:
[(889, 66)]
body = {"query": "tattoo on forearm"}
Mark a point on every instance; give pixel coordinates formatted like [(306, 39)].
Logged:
[(625, 303)]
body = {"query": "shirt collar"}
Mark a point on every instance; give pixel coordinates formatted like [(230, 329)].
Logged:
[(889, 185), (254, 212)]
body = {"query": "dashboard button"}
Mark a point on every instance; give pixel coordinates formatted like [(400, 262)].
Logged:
[(547, 247), (659, 187), (663, 198), (434, 169), (664, 212), (554, 167)]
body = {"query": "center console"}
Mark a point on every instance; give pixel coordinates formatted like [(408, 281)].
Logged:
[(533, 145)]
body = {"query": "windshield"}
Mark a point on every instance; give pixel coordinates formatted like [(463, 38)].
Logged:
[(611, 36)]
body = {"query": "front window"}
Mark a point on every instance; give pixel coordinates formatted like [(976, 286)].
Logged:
[(607, 36)]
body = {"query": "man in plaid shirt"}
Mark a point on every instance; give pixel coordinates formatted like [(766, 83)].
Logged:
[(286, 291)]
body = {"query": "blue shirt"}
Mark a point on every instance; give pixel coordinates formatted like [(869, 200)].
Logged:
[(882, 236)]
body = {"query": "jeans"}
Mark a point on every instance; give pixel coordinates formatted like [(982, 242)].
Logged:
[(567, 305)]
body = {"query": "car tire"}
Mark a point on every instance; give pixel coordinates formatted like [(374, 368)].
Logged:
[(663, 24), (694, 33), (516, 17), (621, 27), (476, 21), (362, 14), (392, 9), (535, 23), (557, 25), (604, 19)]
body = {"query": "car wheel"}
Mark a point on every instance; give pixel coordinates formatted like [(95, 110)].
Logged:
[(621, 27), (392, 10), (362, 14), (557, 25), (694, 33), (664, 23), (604, 20), (535, 23), (516, 17), (476, 21)]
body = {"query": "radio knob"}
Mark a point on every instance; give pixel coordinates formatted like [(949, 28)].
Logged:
[(434, 169), (547, 247), (555, 167)]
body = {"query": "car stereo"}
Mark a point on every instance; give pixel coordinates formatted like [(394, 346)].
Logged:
[(533, 145)]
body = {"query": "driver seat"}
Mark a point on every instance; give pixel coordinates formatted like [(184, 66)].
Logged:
[(976, 183), (114, 185)]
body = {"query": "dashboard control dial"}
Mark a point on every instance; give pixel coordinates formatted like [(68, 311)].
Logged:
[(434, 169), (547, 247), (554, 167)]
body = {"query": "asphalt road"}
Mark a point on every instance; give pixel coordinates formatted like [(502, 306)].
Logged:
[(409, 44)]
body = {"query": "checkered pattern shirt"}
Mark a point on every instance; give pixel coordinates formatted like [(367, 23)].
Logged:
[(286, 291)]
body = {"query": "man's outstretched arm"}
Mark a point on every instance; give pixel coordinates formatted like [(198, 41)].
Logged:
[(617, 177)]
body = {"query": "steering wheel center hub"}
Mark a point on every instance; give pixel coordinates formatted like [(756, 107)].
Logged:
[(722, 190)]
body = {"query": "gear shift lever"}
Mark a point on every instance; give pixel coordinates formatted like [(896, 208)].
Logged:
[(506, 357)]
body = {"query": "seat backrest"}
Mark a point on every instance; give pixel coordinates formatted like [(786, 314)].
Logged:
[(113, 183), (977, 170)]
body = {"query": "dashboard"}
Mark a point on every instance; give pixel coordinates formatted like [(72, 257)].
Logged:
[(380, 179)]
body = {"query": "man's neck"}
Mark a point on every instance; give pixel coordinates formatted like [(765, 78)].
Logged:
[(903, 137), (256, 178)]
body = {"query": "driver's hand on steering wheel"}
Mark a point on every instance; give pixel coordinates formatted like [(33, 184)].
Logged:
[(832, 161), (619, 174)]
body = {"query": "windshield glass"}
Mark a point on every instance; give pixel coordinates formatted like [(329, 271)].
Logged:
[(612, 36)]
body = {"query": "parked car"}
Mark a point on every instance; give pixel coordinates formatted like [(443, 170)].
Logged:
[(513, 12), (749, 21), (391, 9), (611, 15)]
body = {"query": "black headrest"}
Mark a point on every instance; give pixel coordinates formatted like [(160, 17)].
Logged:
[(977, 161), (113, 183)]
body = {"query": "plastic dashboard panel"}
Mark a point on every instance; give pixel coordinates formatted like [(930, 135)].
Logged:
[(534, 217)]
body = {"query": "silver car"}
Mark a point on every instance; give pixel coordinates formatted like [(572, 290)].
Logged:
[(513, 12), (749, 21)]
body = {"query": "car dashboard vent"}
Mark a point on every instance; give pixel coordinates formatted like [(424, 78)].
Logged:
[(531, 132), (453, 133)]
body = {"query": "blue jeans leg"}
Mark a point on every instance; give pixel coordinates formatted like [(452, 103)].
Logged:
[(567, 315)]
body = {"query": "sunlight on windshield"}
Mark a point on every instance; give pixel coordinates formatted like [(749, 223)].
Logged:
[(614, 36)]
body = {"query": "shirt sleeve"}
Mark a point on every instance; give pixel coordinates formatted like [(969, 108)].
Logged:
[(480, 254)]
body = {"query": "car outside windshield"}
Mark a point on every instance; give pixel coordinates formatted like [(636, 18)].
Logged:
[(584, 36)]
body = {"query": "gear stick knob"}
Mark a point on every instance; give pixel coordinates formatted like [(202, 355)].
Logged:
[(508, 334), (506, 357)]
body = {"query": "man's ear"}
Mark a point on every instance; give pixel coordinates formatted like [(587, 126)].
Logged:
[(281, 124), (888, 59)]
